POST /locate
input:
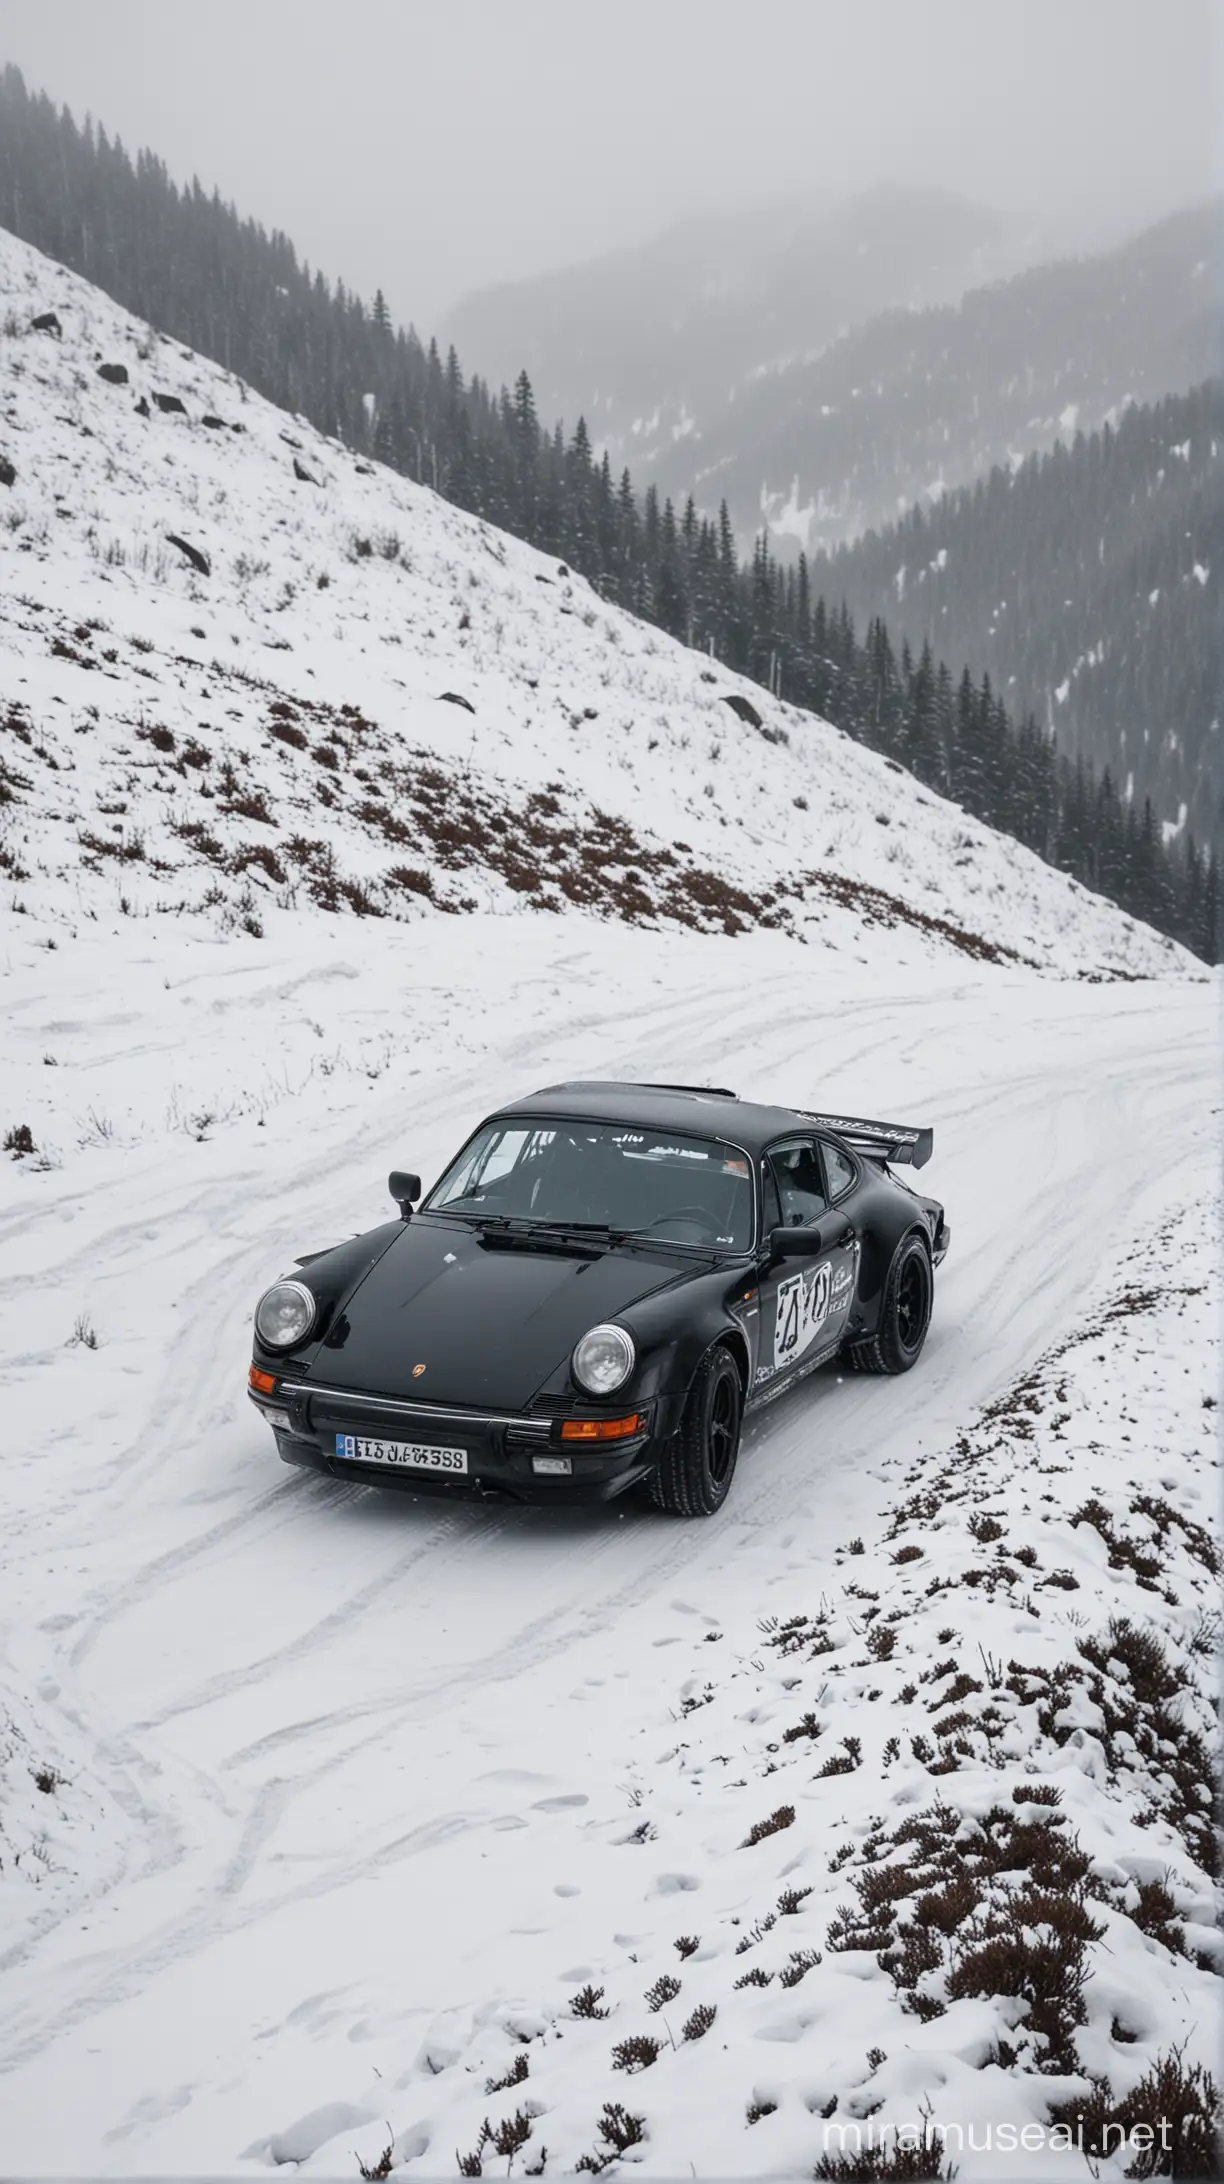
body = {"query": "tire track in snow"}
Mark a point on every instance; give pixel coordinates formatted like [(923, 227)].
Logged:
[(212, 1908)]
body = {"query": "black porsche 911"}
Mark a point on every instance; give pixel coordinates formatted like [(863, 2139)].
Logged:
[(605, 1280)]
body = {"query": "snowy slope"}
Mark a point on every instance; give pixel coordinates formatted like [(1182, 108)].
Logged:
[(277, 729), (317, 1806)]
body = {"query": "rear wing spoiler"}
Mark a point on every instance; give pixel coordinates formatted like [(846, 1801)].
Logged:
[(881, 1140)]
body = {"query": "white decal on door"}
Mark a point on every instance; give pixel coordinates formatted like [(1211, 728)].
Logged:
[(803, 1308)]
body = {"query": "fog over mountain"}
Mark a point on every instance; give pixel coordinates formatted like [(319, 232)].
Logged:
[(649, 343), (840, 365), (434, 151)]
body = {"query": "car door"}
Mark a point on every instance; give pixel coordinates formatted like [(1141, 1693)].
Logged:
[(806, 1301)]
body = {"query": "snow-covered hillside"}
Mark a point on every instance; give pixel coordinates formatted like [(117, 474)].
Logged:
[(241, 668), (319, 1807)]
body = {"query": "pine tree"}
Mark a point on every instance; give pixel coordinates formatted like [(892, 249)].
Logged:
[(629, 551), (525, 445), (603, 497), (966, 770), (580, 531), (763, 635), (671, 606), (728, 642), (922, 740)]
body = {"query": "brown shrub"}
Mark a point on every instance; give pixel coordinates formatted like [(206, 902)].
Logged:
[(636, 2053), (783, 1817), (1177, 2110), (911, 2158)]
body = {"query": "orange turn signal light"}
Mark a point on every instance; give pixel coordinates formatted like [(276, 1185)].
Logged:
[(602, 1429), (263, 1383)]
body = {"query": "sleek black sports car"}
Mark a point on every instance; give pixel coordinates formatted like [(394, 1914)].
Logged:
[(605, 1280)]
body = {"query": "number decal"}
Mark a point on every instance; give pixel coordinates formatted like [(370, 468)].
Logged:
[(803, 1308)]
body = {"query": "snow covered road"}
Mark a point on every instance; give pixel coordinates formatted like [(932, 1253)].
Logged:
[(325, 1749)]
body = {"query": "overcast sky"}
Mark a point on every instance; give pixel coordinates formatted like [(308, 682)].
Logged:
[(433, 146)]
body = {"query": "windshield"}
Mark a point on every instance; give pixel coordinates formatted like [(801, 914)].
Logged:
[(654, 1183)]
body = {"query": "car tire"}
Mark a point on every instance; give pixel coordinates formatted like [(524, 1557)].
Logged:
[(695, 1474), (905, 1314)]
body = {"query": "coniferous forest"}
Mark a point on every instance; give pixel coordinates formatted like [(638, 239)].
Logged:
[(186, 262), (1087, 582)]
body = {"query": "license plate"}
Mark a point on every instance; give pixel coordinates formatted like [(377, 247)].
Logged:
[(355, 1448)]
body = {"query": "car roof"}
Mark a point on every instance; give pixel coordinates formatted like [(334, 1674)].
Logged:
[(698, 1110)]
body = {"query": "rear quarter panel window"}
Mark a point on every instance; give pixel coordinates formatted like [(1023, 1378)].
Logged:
[(840, 1170)]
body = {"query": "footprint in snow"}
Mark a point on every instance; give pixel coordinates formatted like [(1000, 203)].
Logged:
[(298, 2141), (521, 1777), (410, 2145), (149, 2110), (787, 2029), (316, 2010), (560, 1804)]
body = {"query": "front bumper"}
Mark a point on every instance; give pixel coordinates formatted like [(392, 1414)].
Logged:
[(502, 1447)]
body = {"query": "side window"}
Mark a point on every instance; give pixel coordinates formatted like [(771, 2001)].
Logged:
[(839, 1170), (771, 1204), (800, 1182)]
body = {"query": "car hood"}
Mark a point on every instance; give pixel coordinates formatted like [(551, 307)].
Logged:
[(488, 1323)]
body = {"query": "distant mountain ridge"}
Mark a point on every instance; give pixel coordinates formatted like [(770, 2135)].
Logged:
[(823, 368), (644, 341), (911, 404), (1089, 585)]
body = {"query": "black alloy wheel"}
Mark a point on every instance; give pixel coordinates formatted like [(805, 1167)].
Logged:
[(695, 1474), (723, 1429), (913, 1303), (904, 1316)]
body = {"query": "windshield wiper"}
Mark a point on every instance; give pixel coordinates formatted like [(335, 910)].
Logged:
[(521, 1228), (522, 1224), (586, 1228)]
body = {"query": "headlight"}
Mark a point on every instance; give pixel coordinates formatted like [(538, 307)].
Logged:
[(284, 1315), (604, 1359)]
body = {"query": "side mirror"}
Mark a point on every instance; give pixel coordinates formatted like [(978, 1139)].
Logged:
[(403, 1189), (796, 1243)]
